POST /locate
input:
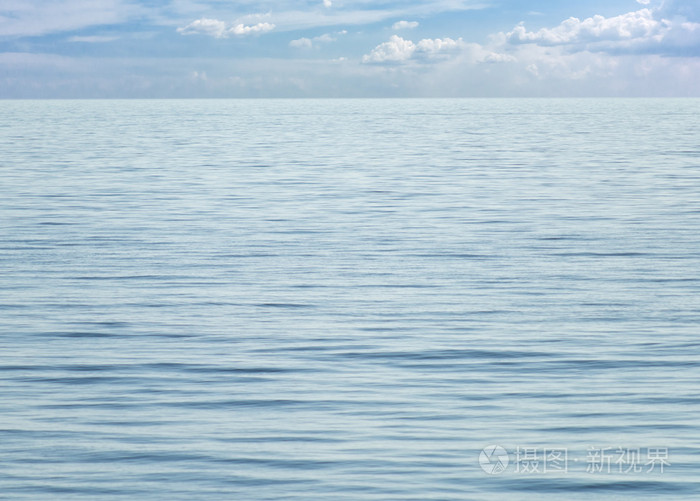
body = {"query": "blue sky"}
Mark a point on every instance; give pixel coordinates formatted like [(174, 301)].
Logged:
[(348, 48)]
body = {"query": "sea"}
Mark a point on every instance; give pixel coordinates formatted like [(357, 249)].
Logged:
[(390, 299)]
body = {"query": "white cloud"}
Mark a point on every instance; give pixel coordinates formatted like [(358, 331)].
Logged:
[(405, 25), (218, 29), (327, 3), (301, 43), (433, 46), (398, 50), (307, 43), (642, 31), (639, 24), (211, 27), (241, 29), (643, 2), (325, 38)]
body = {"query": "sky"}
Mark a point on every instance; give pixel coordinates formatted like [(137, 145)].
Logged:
[(348, 48)]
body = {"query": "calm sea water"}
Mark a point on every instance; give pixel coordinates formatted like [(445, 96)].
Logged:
[(349, 299)]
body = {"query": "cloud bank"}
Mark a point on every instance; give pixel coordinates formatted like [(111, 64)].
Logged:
[(642, 31)]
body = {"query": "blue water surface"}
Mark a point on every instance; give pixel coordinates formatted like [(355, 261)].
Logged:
[(349, 299)]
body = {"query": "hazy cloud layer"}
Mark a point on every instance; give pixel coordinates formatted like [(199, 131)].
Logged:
[(219, 29), (40, 17), (405, 25), (307, 43)]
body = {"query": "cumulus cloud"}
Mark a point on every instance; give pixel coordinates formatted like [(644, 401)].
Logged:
[(405, 25), (218, 29), (436, 45), (241, 29), (639, 24), (398, 50), (645, 30)]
